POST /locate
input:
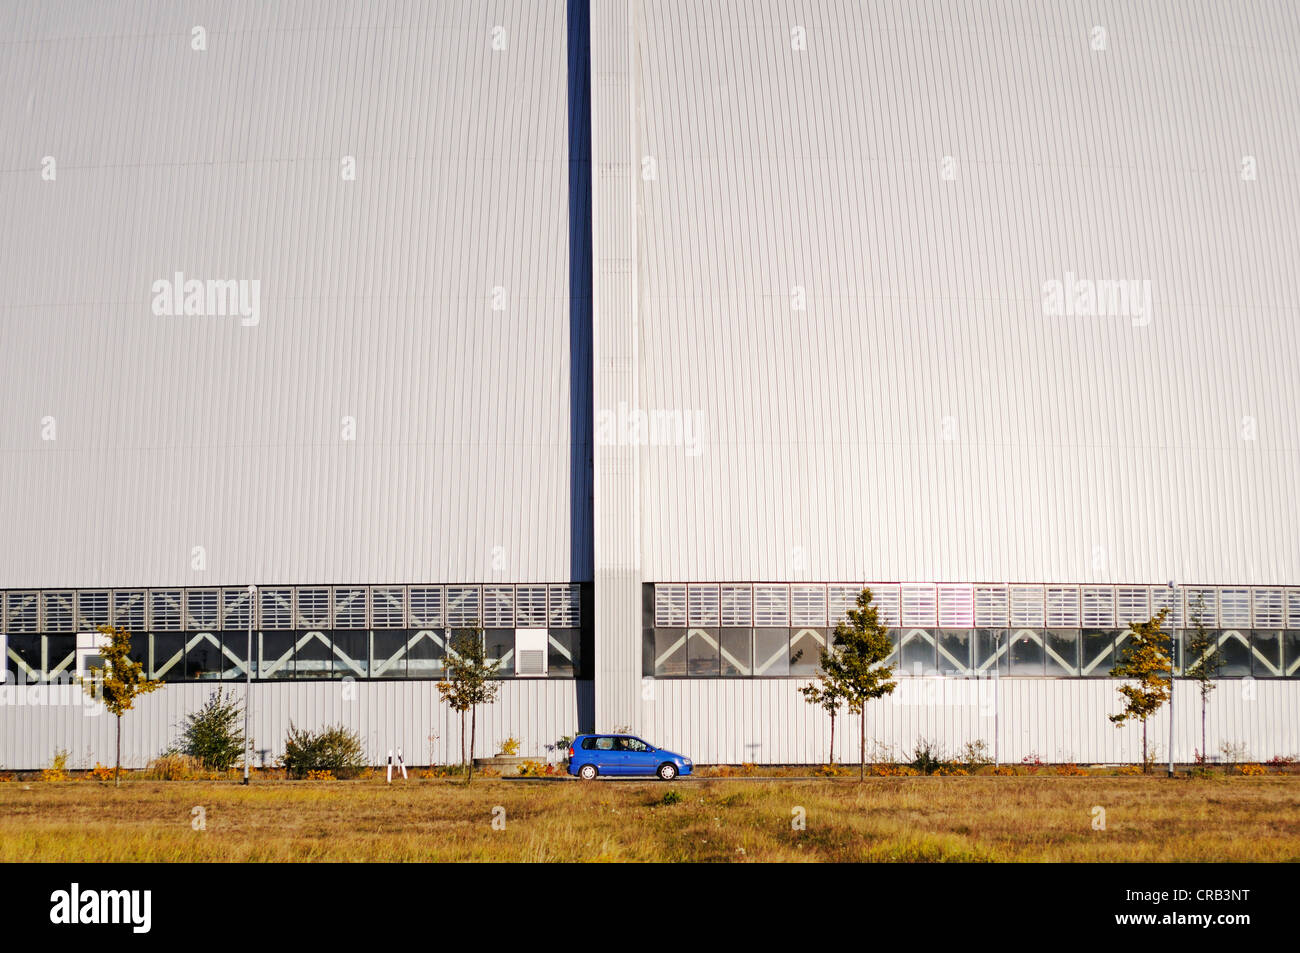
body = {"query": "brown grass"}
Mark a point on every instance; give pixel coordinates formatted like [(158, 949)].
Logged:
[(980, 818)]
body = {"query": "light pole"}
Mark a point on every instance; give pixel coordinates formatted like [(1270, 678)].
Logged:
[(1173, 666), (248, 674), (997, 694)]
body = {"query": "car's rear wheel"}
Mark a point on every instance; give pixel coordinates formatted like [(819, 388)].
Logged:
[(667, 771), (587, 772)]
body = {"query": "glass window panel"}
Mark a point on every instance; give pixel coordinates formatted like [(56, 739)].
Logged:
[(168, 656), (314, 655), (563, 653), (1061, 652), (954, 651), (202, 656), (772, 652), (234, 642), (388, 652), (500, 647), (917, 655), (702, 652), (806, 647), (1234, 651), (991, 651), (351, 653), (1266, 654), (1027, 652), (276, 654), (737, 651), (1097, 652), (425, 656), (670, 653), (26, 668), (1291, 652)]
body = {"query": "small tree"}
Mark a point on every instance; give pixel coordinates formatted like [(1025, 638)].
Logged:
[(117, 682), (1203, 661), (854, 664), (1146, 662), (826, 694), (470, 682), (214, 734)]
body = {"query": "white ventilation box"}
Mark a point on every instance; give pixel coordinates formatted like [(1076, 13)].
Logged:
[(530, 653)]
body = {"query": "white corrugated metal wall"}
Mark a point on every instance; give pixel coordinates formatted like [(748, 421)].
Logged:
[(855, 210), (39, 720), (396, 176), (766, 721)]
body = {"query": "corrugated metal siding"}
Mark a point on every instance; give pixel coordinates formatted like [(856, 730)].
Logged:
[(375, 295), (1058, 720), (923, 419), (39, 720), (615, 342)]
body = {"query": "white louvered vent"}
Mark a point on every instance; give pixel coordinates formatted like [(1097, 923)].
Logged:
[(57, 613), (956, 607), (1293, 608), (1133, 604), (464, 607), (565, 606), (1268, 609), (1098, 607), (1027, 607), (919, 606), (388, 607), (424, 604), (702, 605), (1234, 608), (531, 662), (1200, 603), (737, 606), (23, 611), (991, 608), (129, 609), (807, 604), (350, 607), (202, 610), (1160, 599), (771, 606), (235, 609), (92, 609), (498, 607), (888, 603), (313, 608), (275, 608), (165, 614), (1062, 607), (670, 606), (530, 606), (839, 600)]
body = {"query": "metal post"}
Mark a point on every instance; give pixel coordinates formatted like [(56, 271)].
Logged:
[(997, 698), (1173, 655), (248, 675)]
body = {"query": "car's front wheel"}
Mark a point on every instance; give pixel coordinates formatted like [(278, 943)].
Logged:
[(667, 771), (587, 772)]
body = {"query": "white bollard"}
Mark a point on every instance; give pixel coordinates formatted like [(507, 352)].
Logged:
[(390, 765), (401, 764)]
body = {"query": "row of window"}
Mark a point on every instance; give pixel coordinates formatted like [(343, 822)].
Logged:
[(1064, 653), (977, 606), (554, 605), (300, 654)]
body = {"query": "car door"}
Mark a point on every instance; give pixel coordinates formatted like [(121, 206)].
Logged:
[(640, 757), (609, 760)]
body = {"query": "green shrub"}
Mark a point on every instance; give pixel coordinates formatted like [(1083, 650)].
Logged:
[(671, 797), (927, 758), (336, 749), (214, 735)]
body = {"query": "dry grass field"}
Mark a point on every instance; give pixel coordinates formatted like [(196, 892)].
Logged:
[(883, 819)]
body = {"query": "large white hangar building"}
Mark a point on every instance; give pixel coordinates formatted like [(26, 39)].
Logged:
[(644, 335)]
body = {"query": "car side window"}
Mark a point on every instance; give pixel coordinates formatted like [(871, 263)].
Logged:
[(588, 744), (605, 744), (634, 744)]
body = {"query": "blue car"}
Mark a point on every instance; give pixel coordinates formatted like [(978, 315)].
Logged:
[(623, 755)]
